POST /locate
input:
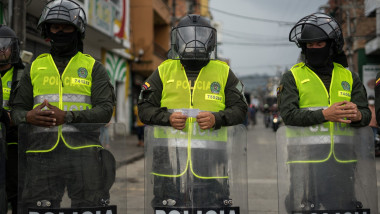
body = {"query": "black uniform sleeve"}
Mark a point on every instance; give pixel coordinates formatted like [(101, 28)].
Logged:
[(359, 97), (23, 98), (288, 104), (236, 105), (149, 104), (102, 98)]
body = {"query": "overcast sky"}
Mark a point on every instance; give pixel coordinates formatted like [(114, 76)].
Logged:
[(259, 47)]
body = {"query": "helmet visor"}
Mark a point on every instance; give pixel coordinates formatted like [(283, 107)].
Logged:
[(5, 43), (9, 51), (194, 42)]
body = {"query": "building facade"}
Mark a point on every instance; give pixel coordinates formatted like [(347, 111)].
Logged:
[(358, 29)]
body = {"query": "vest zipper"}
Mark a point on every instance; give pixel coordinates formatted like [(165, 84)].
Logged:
[(328, 100), (60, 77)]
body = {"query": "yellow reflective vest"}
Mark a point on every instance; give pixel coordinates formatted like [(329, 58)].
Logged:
[(7, 83), (70, 91), (207, 94), (7, 86), (313, 95)]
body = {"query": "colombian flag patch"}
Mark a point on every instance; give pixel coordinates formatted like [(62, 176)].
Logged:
[(146, 85), (377, 82)]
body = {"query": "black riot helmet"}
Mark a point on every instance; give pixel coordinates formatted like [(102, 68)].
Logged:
[(317, 27), (9, 46), (65, 12), (193, 39)]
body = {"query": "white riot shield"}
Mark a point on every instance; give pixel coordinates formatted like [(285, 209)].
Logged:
[(73, 168), (195, 171), (323, 173)]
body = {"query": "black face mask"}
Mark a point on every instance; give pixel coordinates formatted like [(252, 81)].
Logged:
[(194, 65), (318, 57), (64, 44)]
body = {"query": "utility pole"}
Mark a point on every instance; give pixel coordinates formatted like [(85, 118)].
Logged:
[(18, 23), (191, 6), (174, 18), (349, 40)]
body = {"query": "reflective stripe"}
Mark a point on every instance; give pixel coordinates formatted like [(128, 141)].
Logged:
[(74, 98), (195, 144), (5, 103), (310, 141), (65, 128), (315, 108)]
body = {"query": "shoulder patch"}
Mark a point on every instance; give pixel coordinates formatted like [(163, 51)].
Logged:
[(146, 86), (377, 82), (279, 89)]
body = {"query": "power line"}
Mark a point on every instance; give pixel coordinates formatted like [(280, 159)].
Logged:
[(257, 44), (249, 17), (262, 66), (250, 38)]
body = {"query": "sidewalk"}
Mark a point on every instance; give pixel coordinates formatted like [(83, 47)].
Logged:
[(125, 150)]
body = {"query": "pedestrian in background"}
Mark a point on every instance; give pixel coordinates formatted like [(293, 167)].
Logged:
[(373, 123), (139, 127)]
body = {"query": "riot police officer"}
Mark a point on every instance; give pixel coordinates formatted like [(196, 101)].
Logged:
[(321, 91), (322, 48), (62, 87), (11, 68), (192, 79)]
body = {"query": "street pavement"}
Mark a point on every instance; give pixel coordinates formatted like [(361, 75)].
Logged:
[(125, 150), (128, 190), (262, 173)]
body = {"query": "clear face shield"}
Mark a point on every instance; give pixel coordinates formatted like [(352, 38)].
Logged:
[(9, 51), (193, 43)]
